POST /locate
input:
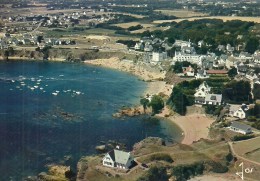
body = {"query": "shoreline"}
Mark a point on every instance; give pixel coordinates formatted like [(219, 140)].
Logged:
[(194, 126), (15, 58)]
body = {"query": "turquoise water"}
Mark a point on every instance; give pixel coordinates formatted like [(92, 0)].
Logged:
[(52, 110)]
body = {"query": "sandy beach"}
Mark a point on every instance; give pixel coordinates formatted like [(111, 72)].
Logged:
[(194, 125), (128, 66)]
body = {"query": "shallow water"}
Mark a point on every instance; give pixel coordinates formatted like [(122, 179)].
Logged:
[(51, 110)]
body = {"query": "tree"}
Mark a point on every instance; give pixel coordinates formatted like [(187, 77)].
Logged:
[(144, 102), (237, 92), (157, 104), (178, 101), (46, 51), (6, 54), (252, 45), (232, 72), (177, 67), (256, 91), (171, 40), (39, 38)]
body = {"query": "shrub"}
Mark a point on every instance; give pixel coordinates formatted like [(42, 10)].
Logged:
[(217, 167), (156, 103), (185, 172), (161, 156), (155, 174), (242, 137)]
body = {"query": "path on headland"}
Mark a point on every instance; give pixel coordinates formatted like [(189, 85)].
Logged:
[(238, 156)]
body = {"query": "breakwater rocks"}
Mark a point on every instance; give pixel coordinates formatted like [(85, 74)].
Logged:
[(55, 173), (126, 111)]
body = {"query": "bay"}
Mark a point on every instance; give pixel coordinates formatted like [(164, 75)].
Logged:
[(49, 111)]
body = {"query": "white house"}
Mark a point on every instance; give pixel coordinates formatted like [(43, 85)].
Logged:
[(202, 90), (200, 43), (158, 57), (240, 128), (238, 111), (251, 76), (192, 58), (118, 159), (213, 99)]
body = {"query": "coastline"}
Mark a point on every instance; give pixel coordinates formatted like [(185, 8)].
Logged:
[(16, 58), (194, 125)]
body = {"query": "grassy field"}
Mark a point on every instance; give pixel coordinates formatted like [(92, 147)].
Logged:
[(180, 154), (249, 149), (180, 13), (224, 18)]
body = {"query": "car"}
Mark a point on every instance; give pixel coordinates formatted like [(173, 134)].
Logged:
[(144, 165)]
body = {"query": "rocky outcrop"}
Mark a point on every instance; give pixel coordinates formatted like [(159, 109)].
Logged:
[(82, 168), (57, 173), (135, 111), (144, 145), (101, 148)]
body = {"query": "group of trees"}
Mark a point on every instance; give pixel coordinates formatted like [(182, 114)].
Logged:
[(8, 52), (133, 28), (232, 72), (45, 51), (128, 43), (212, 32), (237, 92), (156, 103), (185, 172), (255, 116), (256, 91), (183, 95), (178, 101), (177, 67)]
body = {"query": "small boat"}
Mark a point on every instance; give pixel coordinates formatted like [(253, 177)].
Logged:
[(55, 93)]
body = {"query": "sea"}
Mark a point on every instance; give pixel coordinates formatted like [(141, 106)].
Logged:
[(55, 113)]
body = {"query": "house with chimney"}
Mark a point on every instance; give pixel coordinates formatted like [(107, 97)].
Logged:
[(118, 159)]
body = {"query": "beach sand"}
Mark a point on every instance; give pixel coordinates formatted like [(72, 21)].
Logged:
[(128, 66), (194, 125)]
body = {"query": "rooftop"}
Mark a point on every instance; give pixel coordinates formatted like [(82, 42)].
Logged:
[(240, 126)]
